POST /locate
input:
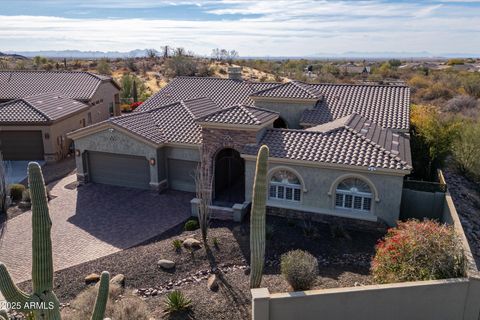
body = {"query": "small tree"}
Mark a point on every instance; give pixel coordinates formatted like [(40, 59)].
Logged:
[(432, 138), (203, 183)]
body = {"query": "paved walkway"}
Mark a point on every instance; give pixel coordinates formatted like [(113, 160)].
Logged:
[(91, 222)]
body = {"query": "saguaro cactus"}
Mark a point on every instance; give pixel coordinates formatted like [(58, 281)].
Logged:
[(43, 302), (257, 218)]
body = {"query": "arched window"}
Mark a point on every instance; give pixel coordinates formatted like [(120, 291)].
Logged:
[(285, 185), (353, 194)]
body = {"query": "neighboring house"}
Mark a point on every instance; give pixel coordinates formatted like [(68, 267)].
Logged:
[(336, 151), (39, 108), (351, 68)]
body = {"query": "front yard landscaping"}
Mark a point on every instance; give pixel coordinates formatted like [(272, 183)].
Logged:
[(343, 261)]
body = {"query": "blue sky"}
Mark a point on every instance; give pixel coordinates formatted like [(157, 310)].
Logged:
[(254, 28)]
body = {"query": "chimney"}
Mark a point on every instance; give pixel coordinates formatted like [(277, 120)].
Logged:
[(235, 73)]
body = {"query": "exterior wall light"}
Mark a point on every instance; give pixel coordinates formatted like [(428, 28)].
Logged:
[(152, 161), (47, 135), (111, 130), (77, 152)]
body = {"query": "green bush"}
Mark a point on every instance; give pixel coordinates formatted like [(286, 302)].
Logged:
[(177, 244), (415, 251), (191, 225), (300, 269), (176, 301), (16, 191)]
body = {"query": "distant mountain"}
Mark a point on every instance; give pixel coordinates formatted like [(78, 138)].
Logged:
[(16, 56), (394, 54), (82, 54)]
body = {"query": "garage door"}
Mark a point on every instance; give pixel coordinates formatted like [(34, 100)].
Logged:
[(21, 145), (119, 170), (181, 175)]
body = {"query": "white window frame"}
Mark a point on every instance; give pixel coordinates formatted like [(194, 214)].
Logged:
[(278, 190), (353, 194)]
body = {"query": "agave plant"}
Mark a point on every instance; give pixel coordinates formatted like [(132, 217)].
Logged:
[(176, 301)]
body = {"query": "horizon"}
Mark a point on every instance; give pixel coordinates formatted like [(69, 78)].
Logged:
[(303, 28)]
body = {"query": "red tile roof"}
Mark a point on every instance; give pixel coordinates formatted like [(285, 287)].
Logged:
[(41, 108), (224, 92), (352, 140), (73, 84), (241, 114), (388, 106)]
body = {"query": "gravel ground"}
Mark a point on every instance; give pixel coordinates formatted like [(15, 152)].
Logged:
[(343, 261), (466, 196)]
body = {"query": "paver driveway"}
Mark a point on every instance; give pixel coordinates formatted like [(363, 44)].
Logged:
[(91, 222)]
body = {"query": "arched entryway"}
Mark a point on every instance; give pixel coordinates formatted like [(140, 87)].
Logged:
[(229, 175), (280, 123)]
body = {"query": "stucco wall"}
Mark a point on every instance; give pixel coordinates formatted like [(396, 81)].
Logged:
[(439, 300), (318, 183), (118, 142), (103, 98), (291, 112)]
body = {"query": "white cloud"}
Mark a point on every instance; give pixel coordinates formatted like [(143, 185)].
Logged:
[(282, 28)]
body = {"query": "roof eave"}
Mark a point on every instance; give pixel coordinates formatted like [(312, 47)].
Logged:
[(374, 170)]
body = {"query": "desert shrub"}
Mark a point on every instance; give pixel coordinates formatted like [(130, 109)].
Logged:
[(466, 150), (455, 61), (128, 308), (177, 244), (176, 301), (436, 91), (215, 242), (82, 306), (180, 65), (16, 191), (419, 82), (26, 196), (418, 250), (191, 225), (103, 67), (471, 85), (300, 269), (461, 103)]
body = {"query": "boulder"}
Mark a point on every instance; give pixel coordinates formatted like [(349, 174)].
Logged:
[(191, 243), (166, 264), (212, 282), (92, 278), (118, 280)]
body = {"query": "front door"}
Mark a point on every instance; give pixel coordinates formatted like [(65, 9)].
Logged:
[(229, 177)]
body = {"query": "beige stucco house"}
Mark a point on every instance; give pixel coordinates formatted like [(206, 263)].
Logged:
[(39, 108), (337, 152)]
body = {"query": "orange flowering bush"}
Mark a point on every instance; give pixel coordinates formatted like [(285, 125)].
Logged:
[(418, 250)]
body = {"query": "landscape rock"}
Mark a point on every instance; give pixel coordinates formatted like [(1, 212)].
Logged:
[(118, 280), (212, 282), (191, 243), (166, 264), (92, 278)]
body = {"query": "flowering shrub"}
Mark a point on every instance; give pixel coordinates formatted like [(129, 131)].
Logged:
[(135, 105), (418, 250)]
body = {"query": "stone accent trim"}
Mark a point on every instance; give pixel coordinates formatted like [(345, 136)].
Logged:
[(347, 223)]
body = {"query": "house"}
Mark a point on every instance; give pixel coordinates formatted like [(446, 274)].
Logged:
[(351, 68), (337, 151), (39, 108)]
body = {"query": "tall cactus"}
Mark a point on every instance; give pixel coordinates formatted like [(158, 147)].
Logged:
[(43, 301), (257, 218)]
